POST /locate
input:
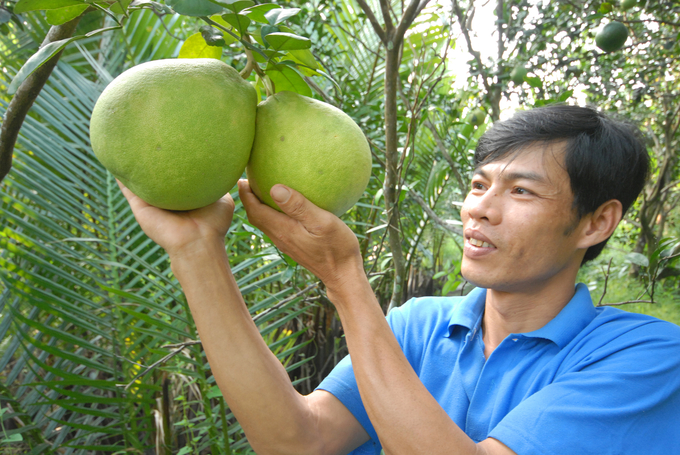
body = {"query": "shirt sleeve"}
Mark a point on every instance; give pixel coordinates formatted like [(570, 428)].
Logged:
[(622, 398)]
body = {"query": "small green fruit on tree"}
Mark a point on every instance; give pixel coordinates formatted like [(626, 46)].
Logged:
[(612, 37), (176, 132), (477, 117), (309, 146), (628, 4), (518, 74)]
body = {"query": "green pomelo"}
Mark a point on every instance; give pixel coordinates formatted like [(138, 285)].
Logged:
[(612, 37), (628, 4), (518, 74), (477, 117), (309, 146), (176, 132)]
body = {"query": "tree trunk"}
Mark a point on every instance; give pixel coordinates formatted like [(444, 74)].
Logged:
[(391, 183)]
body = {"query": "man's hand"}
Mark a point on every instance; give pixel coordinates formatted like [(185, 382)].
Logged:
[(315, 238), (176, 231)]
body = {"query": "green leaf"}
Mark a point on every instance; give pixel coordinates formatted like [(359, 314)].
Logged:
[(534, 81), (5, 16), (286, 78), (257, 12), (62, 15), (333, 81), (228, 37), (194, 8), (120, 7), (196, 47), (214, 392), (234, 5), (278, 15), (287, 41), (24, 6), (637, 259), (16, 437), (239, 21), (44, 54), (565, 96), (266, 30), (305, 57)]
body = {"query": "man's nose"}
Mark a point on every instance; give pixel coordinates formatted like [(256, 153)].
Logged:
[(484, 207)]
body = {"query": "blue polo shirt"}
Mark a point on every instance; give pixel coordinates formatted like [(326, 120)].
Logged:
[(591, 381)]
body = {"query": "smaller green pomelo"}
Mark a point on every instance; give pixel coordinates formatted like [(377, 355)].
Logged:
[(176, 132), (612, 37), (309, 146), (518, 74), (628, 4), (477, 117)]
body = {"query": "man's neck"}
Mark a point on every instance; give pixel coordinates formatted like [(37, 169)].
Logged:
[(521, 312)]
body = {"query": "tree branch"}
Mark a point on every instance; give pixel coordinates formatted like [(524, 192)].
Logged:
[(385, 9), (26, 95), (410, 14), (373, 20), (433, 216), (475, 54)]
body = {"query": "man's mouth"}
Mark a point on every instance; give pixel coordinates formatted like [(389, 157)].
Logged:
[(480, 243)]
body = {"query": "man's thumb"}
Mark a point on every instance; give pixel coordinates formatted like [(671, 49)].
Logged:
[(292, 203), (280, 194)]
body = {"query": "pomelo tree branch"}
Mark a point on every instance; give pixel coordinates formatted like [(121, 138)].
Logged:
[(26, 94), (373, 20), (392, 38), (434, 217), (494, 94)]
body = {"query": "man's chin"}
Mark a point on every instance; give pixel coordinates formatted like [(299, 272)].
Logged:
[(475, 279)]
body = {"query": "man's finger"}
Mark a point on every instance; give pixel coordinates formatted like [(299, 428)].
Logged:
[(136, 203), (261, 215)]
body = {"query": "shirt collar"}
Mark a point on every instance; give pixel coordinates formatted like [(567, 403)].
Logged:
[(573, 318), (468, 312)]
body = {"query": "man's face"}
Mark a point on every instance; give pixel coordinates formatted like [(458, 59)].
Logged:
[(520, 228)]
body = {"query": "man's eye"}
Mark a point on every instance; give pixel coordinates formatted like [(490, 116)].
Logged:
[(520, 190), (477, 186)]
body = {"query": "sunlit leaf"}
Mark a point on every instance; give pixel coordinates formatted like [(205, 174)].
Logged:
[(24, 6), (286, 78), (276, 16), (196, 47), (62, 15), (257, 13), (287, 41)]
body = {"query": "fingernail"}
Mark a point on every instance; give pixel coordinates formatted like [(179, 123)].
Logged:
[(280, 193)]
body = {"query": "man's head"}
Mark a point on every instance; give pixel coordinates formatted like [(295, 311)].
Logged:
[(604, 158)]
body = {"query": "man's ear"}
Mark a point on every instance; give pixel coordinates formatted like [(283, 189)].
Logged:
[(600, 224)]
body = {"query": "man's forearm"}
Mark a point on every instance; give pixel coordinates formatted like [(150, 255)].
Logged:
[(407, 418), (253, 381)]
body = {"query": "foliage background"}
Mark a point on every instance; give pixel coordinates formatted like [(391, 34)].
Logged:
[(88, 303)]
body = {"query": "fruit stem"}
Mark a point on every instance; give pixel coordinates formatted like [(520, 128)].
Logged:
[(245, 72)]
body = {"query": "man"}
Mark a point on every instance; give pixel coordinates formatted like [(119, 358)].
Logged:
[(523, 365)]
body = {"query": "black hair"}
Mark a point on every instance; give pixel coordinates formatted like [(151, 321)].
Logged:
[(605, 158)]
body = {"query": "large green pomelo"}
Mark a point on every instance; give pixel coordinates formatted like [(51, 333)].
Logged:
[(612, 37), (309, 146), (176, 132)]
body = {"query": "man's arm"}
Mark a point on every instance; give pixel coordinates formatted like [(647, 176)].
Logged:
[(406, 417), (274, 416)]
